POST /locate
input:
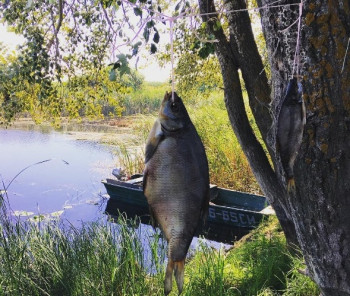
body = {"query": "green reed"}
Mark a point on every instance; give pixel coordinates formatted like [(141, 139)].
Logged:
[(102, 258)]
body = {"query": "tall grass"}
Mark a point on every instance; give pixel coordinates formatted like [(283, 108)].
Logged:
[(228, 165), (55, 259), (258, 265), (101, 258), (146, 100), (132, 160)]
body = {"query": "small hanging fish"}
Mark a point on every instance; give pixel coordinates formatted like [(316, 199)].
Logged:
[(290, 128), (176, 182)]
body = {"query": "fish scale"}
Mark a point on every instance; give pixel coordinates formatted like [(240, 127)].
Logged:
[(176, 182)]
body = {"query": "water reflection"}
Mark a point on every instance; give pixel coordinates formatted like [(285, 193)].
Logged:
[(68, 185), (70, 181)]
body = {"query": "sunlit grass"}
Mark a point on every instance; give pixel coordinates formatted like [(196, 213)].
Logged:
[(260, 264), (146, 100), (228, 165), (101, 258), (95, 259)]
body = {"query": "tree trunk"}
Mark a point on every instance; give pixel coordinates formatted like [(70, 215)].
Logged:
[(320, 207), (232, 56)]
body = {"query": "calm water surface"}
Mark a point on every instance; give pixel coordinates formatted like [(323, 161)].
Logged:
[(69, 182), (69, 185)]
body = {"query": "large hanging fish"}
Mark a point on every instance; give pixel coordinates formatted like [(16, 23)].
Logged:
[(176, 182), (290, 128)]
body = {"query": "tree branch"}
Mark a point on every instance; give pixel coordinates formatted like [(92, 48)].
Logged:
[(229, 58), (250, 63), (56, 28)]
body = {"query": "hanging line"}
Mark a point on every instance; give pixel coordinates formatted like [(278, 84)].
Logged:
[(296, 61), (171, 20), (346, 53), (190, 13), (158, 16)]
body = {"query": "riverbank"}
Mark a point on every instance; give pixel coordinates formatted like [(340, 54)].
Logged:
[(111, 132), (101, 258)]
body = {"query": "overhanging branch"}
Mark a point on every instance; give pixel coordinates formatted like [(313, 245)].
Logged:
[(230, 58), (56, 28)]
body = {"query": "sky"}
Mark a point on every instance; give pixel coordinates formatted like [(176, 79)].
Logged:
[(148, 67)]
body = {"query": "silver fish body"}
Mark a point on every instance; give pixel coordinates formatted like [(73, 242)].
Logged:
[(176, 182), (290, 128)]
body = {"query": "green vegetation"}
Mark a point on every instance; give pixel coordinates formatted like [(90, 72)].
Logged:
[(227, 163), (259, 264), (101, 258), (146, 99)]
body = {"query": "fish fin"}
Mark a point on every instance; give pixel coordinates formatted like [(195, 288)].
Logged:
[(179, 271), (168, 281), (144, 183), (144, 180), (153, 219), (291, 185), (155, 137)]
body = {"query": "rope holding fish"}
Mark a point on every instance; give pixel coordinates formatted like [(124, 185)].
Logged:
[(296, 62), (171, 20), (290, 132)]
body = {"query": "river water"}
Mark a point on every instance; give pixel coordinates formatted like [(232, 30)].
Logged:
[(62, 177), (67, 184)]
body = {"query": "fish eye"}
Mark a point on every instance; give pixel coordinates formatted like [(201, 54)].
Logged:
[(174, 106)]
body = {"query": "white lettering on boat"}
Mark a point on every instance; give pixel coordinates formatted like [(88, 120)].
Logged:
[(232, 216)]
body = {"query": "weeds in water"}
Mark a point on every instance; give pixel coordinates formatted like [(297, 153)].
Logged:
[(131, 160), (55, 259)]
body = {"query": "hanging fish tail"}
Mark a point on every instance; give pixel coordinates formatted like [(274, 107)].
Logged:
[(179, 271), (291, 185), (168, 281)]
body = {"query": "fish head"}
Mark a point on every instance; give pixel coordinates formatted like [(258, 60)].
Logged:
[(173, 115), (294, 93)]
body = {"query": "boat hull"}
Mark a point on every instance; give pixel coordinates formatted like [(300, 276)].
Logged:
[(231, 215)]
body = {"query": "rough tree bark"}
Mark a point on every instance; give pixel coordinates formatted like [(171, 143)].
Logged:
[(320, 208), (239, 52)]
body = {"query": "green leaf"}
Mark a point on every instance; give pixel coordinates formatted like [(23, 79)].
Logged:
[(137, 11), (156, 37), (124, 69), (217, 25), (195, 45), (112, 75), (116, 65), (146, 34), (150, 24), (177, 7), (153, 48)]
